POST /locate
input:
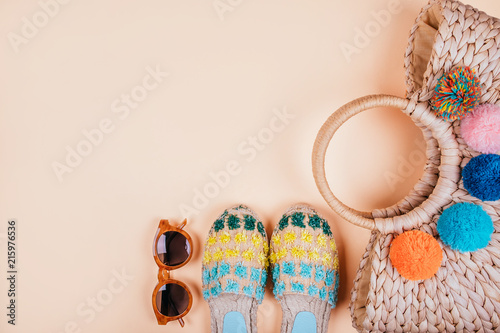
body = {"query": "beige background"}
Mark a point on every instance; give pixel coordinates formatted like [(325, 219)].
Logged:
[(226, 78)]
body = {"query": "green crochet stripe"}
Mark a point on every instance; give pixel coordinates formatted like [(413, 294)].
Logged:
[(249, 222), (326, 228), (261, 229), (233, 222), (219, 224), (298, 220), (314, 221), (283, 222)]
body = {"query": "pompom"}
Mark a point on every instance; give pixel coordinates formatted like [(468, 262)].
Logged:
[(465, 227), (416, 255), (481, 129), (456, 94), (481, 177)]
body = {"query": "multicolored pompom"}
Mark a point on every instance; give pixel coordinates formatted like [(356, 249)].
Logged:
[(456, 94)]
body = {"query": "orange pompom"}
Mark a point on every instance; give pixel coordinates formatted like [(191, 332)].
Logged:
[(416, 255)]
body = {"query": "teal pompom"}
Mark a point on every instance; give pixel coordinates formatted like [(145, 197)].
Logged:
[(465, 227)]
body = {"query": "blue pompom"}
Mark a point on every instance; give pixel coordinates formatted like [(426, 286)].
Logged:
[(482, 177), (465, 227)]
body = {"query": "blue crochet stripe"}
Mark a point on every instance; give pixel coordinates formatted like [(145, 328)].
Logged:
[(330, 275), (232, 286), (255, 274), (206, 294), (323, 293), (336, 289), (205, 276), (263, 278), (279, 288), (216, 290), (276, 272), (224, 269), (288, 268), (305, 270), (241, 271), (259, 294), (313, 290), (214, 273), (325, 277), (297, 287), (320, 273), (249, 290)]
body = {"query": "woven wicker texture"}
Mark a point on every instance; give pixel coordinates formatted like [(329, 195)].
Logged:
[(464, 295)]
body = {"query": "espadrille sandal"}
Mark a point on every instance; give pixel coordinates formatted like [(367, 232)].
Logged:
[(304, 265), (234, 270)]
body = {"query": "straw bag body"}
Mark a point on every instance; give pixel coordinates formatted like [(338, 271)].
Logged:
[(464, 293)]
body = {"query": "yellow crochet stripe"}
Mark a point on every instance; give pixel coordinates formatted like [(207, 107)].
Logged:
[(211, 241), (225, 237), (262, 258), (240, 238), (327, 257), (290, 237), (298, 252), (232, 253), (313, 255), (266, 247), (321, 240), (248, 255), (281, 253), (218, 254), (256, 240), (336, 263), (306, 237), (276, 240), (206, 257), (333, 245)]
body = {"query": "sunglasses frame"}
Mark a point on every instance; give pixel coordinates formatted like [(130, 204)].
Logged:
[(164, 271)]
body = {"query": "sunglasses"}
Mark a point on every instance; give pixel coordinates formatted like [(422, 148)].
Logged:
[(172, 249)]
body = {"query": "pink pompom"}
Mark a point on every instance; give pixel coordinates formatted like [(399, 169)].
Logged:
[(481, 129)]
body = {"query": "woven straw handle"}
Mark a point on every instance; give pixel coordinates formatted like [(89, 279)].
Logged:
[(446, 148)]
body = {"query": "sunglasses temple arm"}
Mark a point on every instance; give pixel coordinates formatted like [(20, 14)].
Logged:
[(181, 321), (183, 224)]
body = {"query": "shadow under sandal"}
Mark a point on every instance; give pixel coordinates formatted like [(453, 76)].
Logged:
[(234, 270), (304, 265)]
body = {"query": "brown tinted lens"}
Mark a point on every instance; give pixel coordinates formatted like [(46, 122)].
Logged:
[(172, 300), (173, 248)]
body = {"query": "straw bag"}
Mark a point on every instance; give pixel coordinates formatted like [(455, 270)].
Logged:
[(463, 295)]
